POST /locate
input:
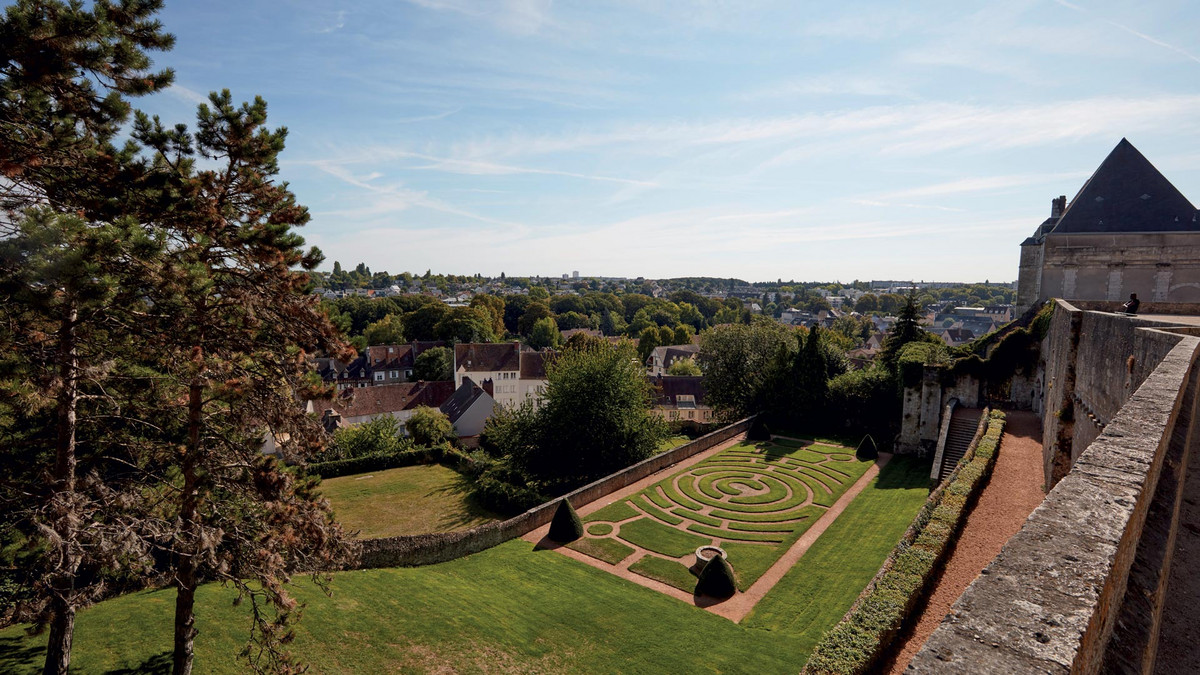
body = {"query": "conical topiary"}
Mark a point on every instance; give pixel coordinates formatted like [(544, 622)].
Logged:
[(566, 525), (716, 579), (867, 448), (758, 430)]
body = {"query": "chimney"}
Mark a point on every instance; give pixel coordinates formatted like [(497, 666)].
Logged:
[(487, 385), (1057, 206), (330, 420)]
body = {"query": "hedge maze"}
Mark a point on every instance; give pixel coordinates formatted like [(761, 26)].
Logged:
[(754, 500)]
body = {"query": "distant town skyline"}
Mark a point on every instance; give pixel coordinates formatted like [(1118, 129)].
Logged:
[(758, 140)]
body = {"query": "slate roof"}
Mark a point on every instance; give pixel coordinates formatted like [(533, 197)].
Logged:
[(387, 398), (478, 357), (1127, 194), (533, 365), (462, 399), (668, 388)]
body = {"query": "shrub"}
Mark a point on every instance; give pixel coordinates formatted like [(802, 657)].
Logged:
[(867, 449), (428, 426), (380, 435), (716, 579), (566, 525)]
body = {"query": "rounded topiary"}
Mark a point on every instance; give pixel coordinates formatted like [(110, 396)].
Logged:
[(566, 525), (867, 448), (758, 430), (716, 579)]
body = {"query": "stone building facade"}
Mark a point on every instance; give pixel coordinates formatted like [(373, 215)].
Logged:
[(1128, 230)]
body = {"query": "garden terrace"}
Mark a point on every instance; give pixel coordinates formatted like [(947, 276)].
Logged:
[(753, 499)]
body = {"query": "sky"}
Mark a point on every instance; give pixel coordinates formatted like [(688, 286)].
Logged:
[(661, 138)]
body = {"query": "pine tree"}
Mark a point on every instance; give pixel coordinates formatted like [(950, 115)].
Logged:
[(65, 74), (235, 334), (71, 290), (906, 329)]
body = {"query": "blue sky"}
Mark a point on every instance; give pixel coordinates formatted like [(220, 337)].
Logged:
[(762, 140)]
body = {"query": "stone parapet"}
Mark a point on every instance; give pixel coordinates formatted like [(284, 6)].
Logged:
[(1050, 602)]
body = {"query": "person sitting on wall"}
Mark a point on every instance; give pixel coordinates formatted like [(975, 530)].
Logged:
[(1131, 307)]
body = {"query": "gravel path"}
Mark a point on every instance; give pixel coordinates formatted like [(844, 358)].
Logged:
[(1013, 492)]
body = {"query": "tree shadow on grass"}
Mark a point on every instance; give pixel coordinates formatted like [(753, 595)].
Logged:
[(472, 512), (19, 655), (159, 664), (904, 473)]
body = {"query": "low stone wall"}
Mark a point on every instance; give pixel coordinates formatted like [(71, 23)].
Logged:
[(1080, 588), (426, 549)]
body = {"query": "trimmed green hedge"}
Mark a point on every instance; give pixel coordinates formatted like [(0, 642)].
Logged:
[(439, 454), (856, 644)]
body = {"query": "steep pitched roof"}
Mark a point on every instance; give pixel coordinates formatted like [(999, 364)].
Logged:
[(1127, 194), (388, 398), (668, 389), (462, 399), (478, 357), (533, 365)]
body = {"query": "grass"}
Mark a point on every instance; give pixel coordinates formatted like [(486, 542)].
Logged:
[(817, 591), (654, 536), (754, 491), (409, 500), (613, 513), (669, 572), (507, 609), (599, 529), (609, 550), (672, 442)]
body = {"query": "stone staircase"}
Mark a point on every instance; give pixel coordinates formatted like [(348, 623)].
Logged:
[(963, 424)]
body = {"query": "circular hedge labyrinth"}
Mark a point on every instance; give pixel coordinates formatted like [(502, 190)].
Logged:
[(753, 500)]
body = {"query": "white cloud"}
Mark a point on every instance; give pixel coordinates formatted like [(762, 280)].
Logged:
[(1152, 40)]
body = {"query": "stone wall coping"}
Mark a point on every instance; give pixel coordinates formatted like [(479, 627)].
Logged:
[(1047, 603)]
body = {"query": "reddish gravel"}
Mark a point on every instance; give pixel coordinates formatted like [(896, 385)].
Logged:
[(1013, 492)]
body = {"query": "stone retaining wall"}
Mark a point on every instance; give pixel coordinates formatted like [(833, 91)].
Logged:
[(426, 549), (1080, 588)]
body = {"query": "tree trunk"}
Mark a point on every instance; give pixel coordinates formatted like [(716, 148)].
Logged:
[(62, 505), (186, 574), (58, 649)]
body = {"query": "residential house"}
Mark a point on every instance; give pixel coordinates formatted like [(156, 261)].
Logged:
[(662, 357), (469, 408), (533, 376), (358, 405), (680, 398), (379, 365), (498, 363)]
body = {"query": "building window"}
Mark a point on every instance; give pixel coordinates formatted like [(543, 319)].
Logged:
[(379, 376), (394, 374), (408, 373)]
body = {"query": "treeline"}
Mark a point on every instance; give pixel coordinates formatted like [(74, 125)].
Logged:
[(536, 318), (800, 380)]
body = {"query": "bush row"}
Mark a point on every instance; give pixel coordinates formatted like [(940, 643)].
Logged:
[(443, 453), (856, 644)]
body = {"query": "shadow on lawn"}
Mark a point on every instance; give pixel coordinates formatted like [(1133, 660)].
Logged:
[(470, 515), (20, 656), (159, 664), (904, 473)]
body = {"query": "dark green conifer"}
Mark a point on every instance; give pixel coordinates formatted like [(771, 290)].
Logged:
[(566, 525), (716, 579)]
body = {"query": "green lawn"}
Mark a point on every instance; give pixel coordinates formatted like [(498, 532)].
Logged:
[(672, 442), (409, 500), (812, 597), (751, 494), (508, 609), (514, 609)]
